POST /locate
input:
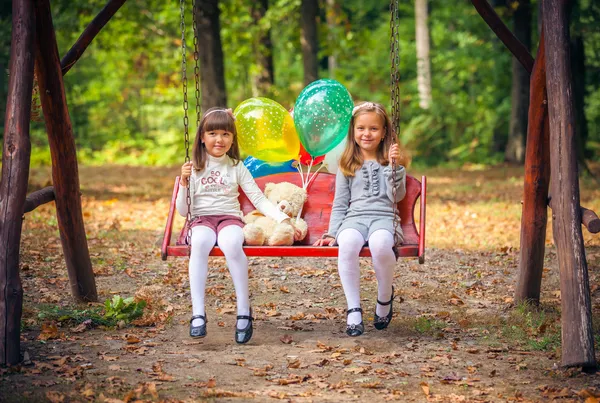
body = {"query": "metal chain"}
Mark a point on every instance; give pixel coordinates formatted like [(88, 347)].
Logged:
[(186, 122), (197, 61), (395, 101)]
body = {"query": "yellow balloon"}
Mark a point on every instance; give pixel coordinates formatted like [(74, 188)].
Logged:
[(266, 130)]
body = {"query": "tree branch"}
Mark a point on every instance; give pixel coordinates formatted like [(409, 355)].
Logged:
[(37, 198), (590, 220), (515, 46), (89, 34)]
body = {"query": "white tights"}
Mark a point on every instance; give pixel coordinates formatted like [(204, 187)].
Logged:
[(230, 240), (381, 243)]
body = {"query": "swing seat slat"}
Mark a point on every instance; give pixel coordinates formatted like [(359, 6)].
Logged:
[(316, 213)]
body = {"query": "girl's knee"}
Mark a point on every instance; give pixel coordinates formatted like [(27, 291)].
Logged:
[(381, 242), (231, 240), (203, 239), (350, 241)]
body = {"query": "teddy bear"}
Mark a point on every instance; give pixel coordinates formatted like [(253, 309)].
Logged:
[(261, 230)]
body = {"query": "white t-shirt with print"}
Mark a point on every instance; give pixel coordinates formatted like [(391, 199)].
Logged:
[(215, 190)]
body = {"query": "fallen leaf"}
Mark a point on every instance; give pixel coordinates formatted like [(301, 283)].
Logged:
[(425, 387), (55, 397), (49, 332), (286, 339), (357, 370), (82, 327), (132, 339), (588, 393), (372, 385)]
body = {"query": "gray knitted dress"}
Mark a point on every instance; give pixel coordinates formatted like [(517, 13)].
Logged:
[(365, 201)]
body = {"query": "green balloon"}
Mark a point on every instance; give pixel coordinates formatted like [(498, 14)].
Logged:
[(322, 115)]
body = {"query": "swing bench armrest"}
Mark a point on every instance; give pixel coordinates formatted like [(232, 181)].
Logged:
[(169, 227)]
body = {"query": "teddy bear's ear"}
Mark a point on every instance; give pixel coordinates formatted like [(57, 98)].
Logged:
[(268, 188)]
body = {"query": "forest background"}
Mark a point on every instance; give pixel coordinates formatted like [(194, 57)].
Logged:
[(125, 95)]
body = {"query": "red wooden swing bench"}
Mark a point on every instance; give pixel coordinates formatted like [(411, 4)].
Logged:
[(316, 214)]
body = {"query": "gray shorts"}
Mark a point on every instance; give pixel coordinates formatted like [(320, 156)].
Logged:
[(367, 225)]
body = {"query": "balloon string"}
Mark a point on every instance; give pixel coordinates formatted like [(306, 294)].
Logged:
[(299, 168), (312, 178), (308, 173)]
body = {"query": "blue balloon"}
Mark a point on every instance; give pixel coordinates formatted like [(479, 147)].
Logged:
[(260, 168)]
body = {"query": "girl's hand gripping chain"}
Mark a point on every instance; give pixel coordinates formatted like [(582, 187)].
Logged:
[(394, 154), (186, 172)]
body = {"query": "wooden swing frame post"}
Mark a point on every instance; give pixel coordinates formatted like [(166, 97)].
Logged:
[(551, 134), (534, 216), (65, 172), (576, 318), (33, 28), (15, 174)]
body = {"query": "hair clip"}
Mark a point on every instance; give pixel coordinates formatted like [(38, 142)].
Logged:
[(230, 113)]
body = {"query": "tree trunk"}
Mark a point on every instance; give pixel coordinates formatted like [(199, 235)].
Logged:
[(65, 172), (577, 336), (515, 147), (212, 70), (15, 174), (423, 63), (5, 15), (331, 12), (264, 51), (499, 137), (578, 67), (535, 194), (309, 40)]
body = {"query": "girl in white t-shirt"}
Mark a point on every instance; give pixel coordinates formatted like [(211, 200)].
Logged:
[(214, 177)]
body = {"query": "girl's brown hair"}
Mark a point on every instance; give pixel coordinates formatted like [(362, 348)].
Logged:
[(352, 158), (215, 119)]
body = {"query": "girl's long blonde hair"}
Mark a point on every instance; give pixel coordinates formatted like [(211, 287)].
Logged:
[(215, 119), (352, 158)]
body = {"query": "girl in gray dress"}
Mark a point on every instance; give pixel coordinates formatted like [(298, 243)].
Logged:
[(363, 211)]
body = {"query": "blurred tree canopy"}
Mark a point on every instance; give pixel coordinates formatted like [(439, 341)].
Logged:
[(125, 96)]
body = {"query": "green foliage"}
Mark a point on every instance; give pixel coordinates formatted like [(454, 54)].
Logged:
[(126, 309), (125, 99), (115, 310)]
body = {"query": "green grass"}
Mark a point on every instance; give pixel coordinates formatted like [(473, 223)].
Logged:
[(533, 328), (428, 325), (114, 310), (72, 315)]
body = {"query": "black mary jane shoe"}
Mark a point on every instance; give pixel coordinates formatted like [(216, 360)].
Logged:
[(381, 322), (243, 336), (197, 332), (355, 330)]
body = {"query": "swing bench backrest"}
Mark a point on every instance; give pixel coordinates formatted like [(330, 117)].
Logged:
[(316, 213)]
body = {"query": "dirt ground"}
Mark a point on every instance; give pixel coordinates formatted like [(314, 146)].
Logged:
[(456, 336)]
